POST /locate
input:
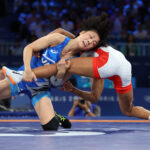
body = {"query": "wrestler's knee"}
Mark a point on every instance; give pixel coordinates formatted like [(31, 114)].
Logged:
[(53, 124), (127, 111)]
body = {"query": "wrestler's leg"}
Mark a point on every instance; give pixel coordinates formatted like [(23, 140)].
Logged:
[(128, 109), (46, 114), (1, 75), (5, 91), (44, 110), (5, 103), (81, 66)]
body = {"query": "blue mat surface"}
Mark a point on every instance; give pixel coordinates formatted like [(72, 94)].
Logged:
[(25, 133)]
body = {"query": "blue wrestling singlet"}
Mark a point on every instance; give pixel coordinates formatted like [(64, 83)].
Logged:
[(50, 55)]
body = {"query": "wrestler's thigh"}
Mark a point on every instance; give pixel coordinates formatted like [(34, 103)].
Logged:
[(5, 91), (1, 75), (82, 66), (44, 109)]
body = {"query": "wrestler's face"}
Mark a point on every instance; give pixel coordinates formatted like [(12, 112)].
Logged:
[(88, 40)]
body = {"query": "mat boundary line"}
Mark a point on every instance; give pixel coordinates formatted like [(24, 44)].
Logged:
[(72, 120)]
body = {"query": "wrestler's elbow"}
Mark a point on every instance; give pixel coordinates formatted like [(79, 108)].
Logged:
[(60, 30), (94, 98)]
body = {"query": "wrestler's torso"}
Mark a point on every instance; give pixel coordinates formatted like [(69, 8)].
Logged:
[(50, 55)]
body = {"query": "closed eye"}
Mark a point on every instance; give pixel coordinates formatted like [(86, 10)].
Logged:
[(90, 36)]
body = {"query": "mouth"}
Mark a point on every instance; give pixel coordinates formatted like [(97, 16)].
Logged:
[(85, 43)]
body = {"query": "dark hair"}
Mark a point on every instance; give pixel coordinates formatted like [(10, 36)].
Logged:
[(100, 24)]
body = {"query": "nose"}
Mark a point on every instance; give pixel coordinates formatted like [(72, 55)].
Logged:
[(90, 41)]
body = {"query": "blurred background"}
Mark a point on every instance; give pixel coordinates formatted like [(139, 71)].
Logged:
[(23, 21)]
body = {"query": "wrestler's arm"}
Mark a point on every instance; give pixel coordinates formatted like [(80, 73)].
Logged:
[(61, 31), (93, 96), (36, 46), (64, 32)]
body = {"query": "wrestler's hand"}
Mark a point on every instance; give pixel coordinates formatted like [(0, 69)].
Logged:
[(29, 76), (67, 86), (62, 67)]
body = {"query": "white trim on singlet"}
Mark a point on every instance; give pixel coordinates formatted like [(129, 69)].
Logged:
[(44, 55)]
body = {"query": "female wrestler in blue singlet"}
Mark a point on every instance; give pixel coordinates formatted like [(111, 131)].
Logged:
[(52, 47), (50, 55)]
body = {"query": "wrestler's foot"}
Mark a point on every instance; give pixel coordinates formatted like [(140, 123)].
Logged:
[(64, 122), (14, 76)]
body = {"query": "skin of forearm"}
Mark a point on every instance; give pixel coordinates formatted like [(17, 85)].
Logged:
[(70, 35), (85, 95), (27, 56), (64, 32)]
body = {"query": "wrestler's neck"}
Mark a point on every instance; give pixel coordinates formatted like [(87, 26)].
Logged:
[(71, 49)]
